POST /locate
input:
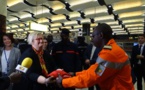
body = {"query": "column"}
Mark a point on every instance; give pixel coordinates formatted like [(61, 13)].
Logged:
[(86, 32), (3, 14)]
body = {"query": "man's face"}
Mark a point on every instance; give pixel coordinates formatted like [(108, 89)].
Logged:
[(141, 39), (50, 38), (64, 37), (96, 38)]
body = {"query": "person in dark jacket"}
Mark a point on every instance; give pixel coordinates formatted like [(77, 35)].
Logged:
[(66, 55), (138, 61), (90, 56), (36, 77), (82, 45), (51, 44), (6, 80)]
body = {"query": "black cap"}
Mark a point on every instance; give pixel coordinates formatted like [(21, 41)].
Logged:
[(65, 31)]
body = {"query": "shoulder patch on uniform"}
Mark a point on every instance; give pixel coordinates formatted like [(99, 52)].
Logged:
[(100, 69), (107, 47)]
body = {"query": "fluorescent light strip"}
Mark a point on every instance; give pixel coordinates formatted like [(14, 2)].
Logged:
[(95, 10), (58, 17), (13, 19), (109, 17), (77, 2), (132, 25), (54, 29), (55, 24), (135, 28), (14, 26), (13, 2), (130, 14), (133, 20), (74, 14), (38, 27), (25, 16), (74, 30), (116, 26), (117, 29), (67, 27), (42, 20), (78, 26), (85, 21), (126, 4), (70, 22), (58, 6)]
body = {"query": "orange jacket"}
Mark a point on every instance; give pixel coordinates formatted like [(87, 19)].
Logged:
[(111, 71)]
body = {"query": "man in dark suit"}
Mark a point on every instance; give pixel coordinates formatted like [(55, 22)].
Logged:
[(90, 56), (5, 81), (138, 60)]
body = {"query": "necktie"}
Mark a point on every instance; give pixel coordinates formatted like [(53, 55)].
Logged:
[(140, 49)]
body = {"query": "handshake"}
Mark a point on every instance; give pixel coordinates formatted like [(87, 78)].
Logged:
[(56, 77)]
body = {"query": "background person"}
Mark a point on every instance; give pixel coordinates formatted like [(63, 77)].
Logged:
[(138, 61), (82, 45), (51, 44), (9, 56), (66, 56)]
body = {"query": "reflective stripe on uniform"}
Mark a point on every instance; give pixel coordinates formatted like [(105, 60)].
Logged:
[(114, 65)]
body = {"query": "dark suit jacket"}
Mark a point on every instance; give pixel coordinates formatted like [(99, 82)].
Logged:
[(88, 54), (135, 52), (4, 83), (30, 79)]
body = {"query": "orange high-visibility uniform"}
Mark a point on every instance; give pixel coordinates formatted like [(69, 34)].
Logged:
[(111, 71)]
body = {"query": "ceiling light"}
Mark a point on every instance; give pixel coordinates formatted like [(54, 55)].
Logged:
[(56, 25), (42, 20), (67, 27), (78, 26), (95, 10), (13, 19), (58, 17), (132, 20), (130, 14), (38, 27), (70, 23), (108, 17), (13, 2), (126, 4), (54, 29)]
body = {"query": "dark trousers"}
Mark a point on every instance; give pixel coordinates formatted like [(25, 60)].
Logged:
[(140, 73), (92, 88)]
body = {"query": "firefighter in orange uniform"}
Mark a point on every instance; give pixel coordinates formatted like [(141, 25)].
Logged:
[(112, 69)]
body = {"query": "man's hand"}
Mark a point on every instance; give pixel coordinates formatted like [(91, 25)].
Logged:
[(87, 61), (72, 73), (15, 77), (140, 57), (50, 80), (59, 81)]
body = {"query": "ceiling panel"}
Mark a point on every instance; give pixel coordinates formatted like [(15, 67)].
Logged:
[(124, 16)]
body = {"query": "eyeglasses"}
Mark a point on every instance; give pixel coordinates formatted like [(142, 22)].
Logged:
[(39, 39), (44, 42)]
